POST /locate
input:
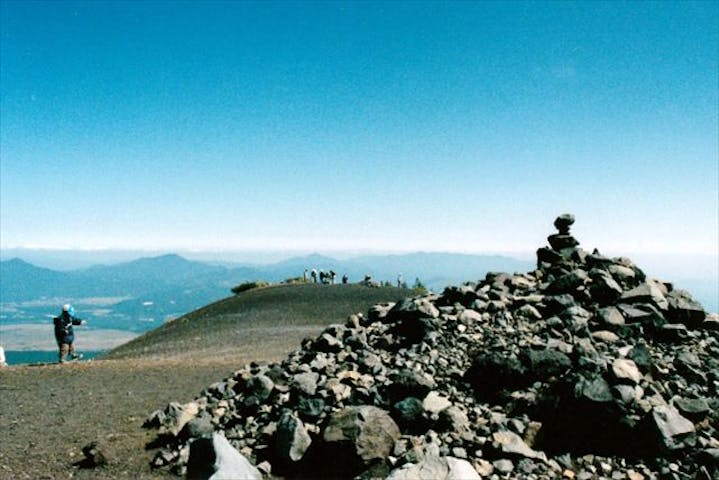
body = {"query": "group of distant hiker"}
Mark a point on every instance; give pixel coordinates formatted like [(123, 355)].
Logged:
[(328, 278), (325, 278)]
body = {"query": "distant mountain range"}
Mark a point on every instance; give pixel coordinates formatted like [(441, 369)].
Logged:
[(22, 281), (140, 294)]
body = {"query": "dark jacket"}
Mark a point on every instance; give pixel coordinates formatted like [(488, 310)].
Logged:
[(63, 327)]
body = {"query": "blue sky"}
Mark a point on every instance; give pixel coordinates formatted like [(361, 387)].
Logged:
[(359, 126)]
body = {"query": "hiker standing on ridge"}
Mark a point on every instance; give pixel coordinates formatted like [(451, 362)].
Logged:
[(64, 333)]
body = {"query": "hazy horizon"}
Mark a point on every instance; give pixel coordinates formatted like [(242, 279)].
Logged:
[(668, 266), (347, 126)]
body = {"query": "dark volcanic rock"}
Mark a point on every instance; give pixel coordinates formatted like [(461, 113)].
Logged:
[(97, 454), (563, 223), (355, 437), (494, 373), (683, 308), (543, 364), (583, 368)]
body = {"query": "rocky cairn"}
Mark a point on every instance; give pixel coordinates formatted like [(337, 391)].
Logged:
[(583, 368)]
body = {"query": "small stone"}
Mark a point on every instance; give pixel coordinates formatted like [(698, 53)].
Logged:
[(563, 223), (692, 407), (96, 454), (435, 403), (605, 336), (503, 466), (483, 467), (626, 370), (610, 317), (633, 475)]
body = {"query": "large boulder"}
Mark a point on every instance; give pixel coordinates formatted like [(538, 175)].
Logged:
[(291, 439), (172, 419), (409, 383), (492, 374), (436, 468), (354, 439), (683, 308), (669, 429), (216, 459)]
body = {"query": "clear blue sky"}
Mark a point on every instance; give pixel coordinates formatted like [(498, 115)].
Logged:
[(321, 126)]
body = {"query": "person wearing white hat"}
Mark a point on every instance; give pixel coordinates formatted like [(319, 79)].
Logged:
[(64, 333)]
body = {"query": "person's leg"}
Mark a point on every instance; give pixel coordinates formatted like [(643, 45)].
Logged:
[(64, 350), (71, 350)]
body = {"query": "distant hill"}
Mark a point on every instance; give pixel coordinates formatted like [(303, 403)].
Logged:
[(264, 319), (20, 280), (143, 293)]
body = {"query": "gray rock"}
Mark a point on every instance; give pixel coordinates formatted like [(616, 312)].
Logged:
[(328, 343), (545, 373), (291, 438), (509, 444), (644, 314), (97, 454), (434, 402), (605, 336), (622, 274), (692, 407), (306, 382), (568, 283), (258, 389), (413, 308), (469, 316), (200, 426), (672, 430), (529, 312), (595, 390), (647, 292), (683, 308), (610, 317), (453, 419), (626, 371), (364, 432), (409, 383), (503, 466), (173, 419), (605, 290)]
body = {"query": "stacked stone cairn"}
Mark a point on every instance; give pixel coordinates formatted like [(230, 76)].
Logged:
[(581, 369)]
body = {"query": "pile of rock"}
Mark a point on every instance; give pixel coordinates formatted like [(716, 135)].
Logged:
[(583, 368)]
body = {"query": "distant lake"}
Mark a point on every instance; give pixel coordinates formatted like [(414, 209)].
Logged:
[(19, 357)]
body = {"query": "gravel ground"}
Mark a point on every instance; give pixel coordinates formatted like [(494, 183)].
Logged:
[(49, 412)]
